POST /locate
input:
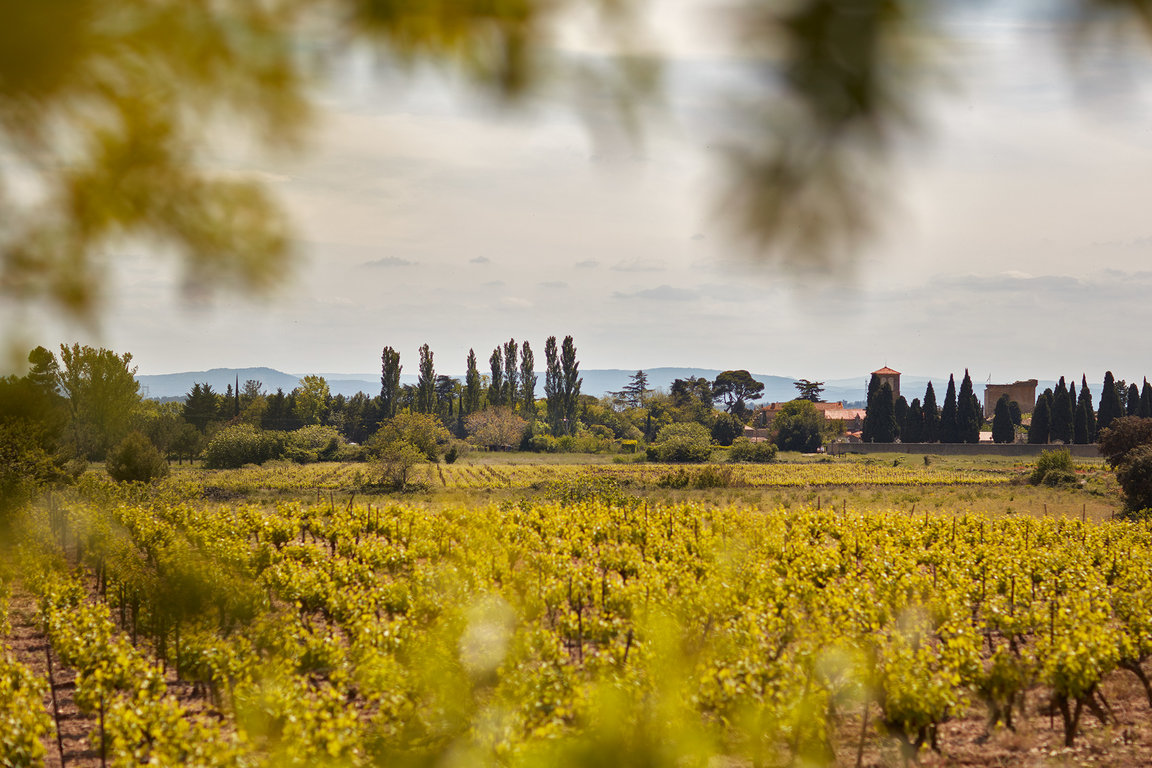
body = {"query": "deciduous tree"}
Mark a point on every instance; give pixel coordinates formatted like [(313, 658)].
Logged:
[(389, 382), (472, 385), (426, 383), (102, 392), (527, 395)]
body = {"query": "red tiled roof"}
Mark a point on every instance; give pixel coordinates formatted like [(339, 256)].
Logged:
[(886, 371)]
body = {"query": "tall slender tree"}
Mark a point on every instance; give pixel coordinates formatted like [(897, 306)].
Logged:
[(1003, 430), (426, 383), (1040, 430), (913, 429), (949, 423), (527, 394), (1110, 407), (967, 412), (1132, 407), (553, 386), (881, 416), (389, 382), (931, 431), (511, 391), (868, 430), (570, 383), (1085, 402), (900, 416), (472, 383), (496, 383), (1146, 400), (1061, 414)]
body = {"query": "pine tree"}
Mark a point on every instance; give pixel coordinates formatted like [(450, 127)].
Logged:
[(1110, 407), (472, 384), (426, 383), (496, 383), (1061, 431), (967, 412), (389, 382), (1085, 401), (913, 429), (1002, 428), (1146, 400), (527, 394), (1133, 405), (931, 431), (1041, 427), (949, 423)]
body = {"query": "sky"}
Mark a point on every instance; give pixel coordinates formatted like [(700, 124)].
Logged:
[(1016, 242)]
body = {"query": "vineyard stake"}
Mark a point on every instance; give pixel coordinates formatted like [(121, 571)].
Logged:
[(55, 704)]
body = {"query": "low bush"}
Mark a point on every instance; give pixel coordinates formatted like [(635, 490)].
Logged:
[(744, 450), (238, 445), (1135, 478), (687, 442), (308, 445), (702, 479), (135, 459), (1057, 463)]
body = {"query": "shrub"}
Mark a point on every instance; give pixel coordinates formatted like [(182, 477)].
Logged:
[(1123, 436), (422, 430), (1058, 463), (135, 459), (703, 478), (396, 461), (727, 429), (543, 444), (687, 442), (744, 450), (238, 445), (1135, 478), (311, 444)]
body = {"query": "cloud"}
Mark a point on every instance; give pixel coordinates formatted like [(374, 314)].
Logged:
[(639, 265), (493, 284), (587, 264), (515, 302), (387, 261), (554, 284), (480, 260), (661, 293)]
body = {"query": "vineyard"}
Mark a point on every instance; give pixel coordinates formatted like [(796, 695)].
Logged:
[(532, 632)]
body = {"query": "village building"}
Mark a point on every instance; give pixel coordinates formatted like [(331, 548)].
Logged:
[(1023, 393), (890, 377)]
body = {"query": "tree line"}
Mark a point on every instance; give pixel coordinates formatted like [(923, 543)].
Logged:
[(1061, 415)]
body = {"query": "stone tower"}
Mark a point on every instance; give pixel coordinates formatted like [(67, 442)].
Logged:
[(890, 377)]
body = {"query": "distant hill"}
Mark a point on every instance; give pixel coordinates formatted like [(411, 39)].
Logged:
[(597, 382)]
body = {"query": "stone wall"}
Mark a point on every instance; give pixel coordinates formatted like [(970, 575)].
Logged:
[(963, 449)]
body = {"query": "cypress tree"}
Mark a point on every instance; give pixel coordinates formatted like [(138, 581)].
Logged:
[(882, 415), (931, 431), (967, 412), (1146, 400), (1080, 424), (949, 426), (1061, 414), (1040, 429), (1089, 412), (913, 430), (1002, 429), (900, 414), (1133, 405), (1110, 407), (867, 430)]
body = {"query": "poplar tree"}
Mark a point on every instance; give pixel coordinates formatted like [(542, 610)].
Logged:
[(472, 384), (389, 382), (967, 412), (528, 385), (570, 383), (511, 388), (553, 388), (931, 430), (1109, 403), (426, 383), (949, 423), (496, 383)]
